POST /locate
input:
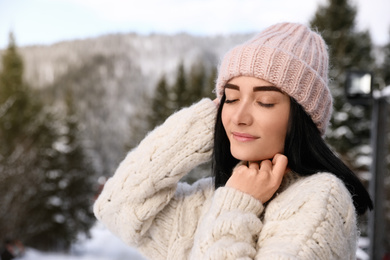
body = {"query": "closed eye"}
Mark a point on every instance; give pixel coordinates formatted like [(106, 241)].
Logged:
[(229, 101), (265, 104)]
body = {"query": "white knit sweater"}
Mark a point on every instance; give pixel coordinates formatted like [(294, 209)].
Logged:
[(146, 206)]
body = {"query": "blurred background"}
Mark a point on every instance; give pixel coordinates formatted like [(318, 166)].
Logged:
[(83, 81)]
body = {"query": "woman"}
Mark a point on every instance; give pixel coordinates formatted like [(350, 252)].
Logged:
[(278, 192)]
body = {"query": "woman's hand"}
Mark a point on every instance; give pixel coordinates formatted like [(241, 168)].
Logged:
[(259, 180)]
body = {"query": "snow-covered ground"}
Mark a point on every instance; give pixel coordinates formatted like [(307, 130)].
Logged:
[(102, 246), (105, 246)]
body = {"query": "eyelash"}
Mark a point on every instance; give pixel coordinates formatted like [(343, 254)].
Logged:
[(261, 104), (265, 105), (230, 101)]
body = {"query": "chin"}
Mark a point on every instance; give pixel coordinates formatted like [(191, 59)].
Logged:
[(253, 156), (249, 157)]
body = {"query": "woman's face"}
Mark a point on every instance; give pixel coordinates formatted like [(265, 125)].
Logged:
[(255, 117)]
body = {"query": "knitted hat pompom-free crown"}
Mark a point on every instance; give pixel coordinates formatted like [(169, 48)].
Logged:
[(293, 58)]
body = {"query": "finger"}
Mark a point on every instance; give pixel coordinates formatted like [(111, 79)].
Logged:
[(280, 158), (253, 165), (279, 162), (241, 164), (266, 165)]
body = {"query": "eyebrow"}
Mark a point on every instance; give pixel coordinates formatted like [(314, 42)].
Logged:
[(257, 88)]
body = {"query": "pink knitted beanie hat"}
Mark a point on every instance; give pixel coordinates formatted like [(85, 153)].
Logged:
[(293, 58)]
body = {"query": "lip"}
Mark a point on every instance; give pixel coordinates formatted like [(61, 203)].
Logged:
[(243, 137)]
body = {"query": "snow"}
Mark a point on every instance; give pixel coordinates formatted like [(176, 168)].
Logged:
[(103, 245)]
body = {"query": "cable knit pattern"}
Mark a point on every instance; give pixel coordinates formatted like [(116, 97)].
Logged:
[(146, 180), (146, 206)]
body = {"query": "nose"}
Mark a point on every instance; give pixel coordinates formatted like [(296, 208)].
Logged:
[(243, 114)]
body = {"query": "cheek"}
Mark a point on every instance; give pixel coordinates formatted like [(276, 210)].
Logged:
[(225, 118), (279, 130)]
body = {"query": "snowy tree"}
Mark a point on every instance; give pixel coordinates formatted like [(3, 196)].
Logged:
[(384, 69), (142, 120), (209, 88), (160, 104), (194, 85), (197, 82), (45, 183), (22, 129), (68, 189), (179, 91), (349, 49)]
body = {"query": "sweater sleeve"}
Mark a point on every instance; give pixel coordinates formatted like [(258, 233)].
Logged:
[(230, 228), (146, 180), (313, 219)]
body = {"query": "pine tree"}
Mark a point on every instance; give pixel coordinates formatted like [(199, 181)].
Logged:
[(196, 82), (45, 182), (141, 121), (76, 189), (161, 104), (25, 144), (209, 89), (38, 230), (64, 209), (384, 70), (14, 101), (179, 90), (11, 76), (349, 49)]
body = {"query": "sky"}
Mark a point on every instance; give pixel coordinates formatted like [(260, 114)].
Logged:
[(50, 21)]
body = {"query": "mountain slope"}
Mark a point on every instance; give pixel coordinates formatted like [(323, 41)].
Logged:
[(108, 77)]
